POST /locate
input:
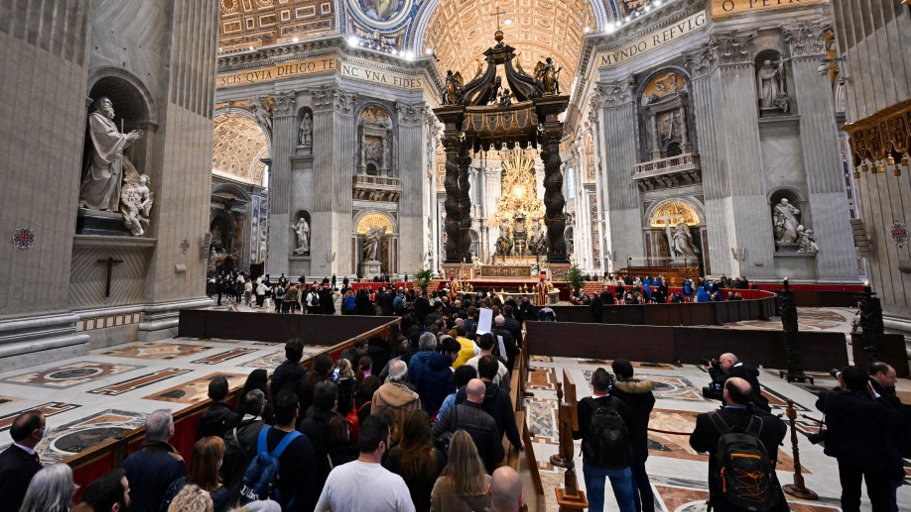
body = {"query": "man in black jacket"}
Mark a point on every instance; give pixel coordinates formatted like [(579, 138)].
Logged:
[(219, 417), (470, 417), (19, 462), (882, 379), (733, 367), (639, 399), (325, 402), (290, 373), (240, 441), (621, 479), (861, 432), (509, 342), (496, 402), (736, 413)]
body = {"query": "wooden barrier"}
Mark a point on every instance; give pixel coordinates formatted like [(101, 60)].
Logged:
[(757, 305), (821, 351), (894, 352), (101, 458)]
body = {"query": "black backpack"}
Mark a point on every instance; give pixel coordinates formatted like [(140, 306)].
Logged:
[(606, 442), (744, 476)]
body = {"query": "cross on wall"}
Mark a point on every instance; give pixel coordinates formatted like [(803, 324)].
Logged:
[(110, 262)]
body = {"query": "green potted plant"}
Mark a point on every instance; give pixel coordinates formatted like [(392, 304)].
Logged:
[(422, 278), (575, 278)]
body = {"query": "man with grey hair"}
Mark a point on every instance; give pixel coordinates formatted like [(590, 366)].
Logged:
[(427, 345), (734, 367), (152, 469), (396, 399), (501, 331)]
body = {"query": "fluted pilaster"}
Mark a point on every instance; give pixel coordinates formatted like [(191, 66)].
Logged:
[(410, 170), (821, 160)]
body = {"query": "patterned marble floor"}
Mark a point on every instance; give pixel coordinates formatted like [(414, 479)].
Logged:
[(110, 391), (678, 474)]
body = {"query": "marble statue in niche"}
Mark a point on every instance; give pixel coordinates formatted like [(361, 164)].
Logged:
[(372, 240), (136, 205), (302, 232), (681, 241), (104, 171), (375, 141), (785, 221), (669, 124), (305, 133), (770, 83)]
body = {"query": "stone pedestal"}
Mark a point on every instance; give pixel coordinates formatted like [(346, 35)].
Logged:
[(370, 269), (94, 222)]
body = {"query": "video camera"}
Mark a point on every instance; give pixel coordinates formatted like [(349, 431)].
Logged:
[(714, 391)]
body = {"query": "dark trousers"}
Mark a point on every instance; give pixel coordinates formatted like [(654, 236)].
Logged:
[(879, 488), (643, 497), (278, 305)]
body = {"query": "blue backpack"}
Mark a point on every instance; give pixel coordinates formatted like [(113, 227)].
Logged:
[(262, 473)]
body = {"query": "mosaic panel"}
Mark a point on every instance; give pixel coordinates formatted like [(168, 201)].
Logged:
[(157, 350), (78, 435), (68, 375), (139, 382), (49, 409), (221, 357), (195, 390)]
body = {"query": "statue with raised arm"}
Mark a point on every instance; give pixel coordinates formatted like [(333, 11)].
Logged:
[(454, 85), (785, 222), (372, 239), (770, 82), (302, 231), (103, 174)]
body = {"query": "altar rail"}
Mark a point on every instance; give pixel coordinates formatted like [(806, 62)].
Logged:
[(821, 351), (107, 455)]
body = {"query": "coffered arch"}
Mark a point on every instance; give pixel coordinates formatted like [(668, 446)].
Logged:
[(239, 145)]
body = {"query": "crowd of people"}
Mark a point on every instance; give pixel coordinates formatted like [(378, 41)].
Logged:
[(636, 290), (423, 420)]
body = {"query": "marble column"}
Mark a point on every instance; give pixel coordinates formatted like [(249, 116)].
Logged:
[(280, 236), (750, 226), (822, 163), (623, 226), (705, 95), (410, 165)]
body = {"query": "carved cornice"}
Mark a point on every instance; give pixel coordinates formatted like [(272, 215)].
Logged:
[(285, 103), (702, 62), (806, 39), (323, 99), (733, 48), (409, 115), (344, 102), (618, 92)]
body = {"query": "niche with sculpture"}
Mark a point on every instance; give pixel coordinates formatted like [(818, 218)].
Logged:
[(301, 229), (674, 234), (374, 137), (663, 108), (305, 130), (771, 83), (114, 193), (789, 224)]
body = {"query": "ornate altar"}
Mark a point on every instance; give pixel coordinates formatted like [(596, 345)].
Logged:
[(479, 116)]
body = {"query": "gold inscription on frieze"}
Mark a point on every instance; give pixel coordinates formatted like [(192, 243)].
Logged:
[(277, 72), (381, 77), (656, 39), (724, 8)]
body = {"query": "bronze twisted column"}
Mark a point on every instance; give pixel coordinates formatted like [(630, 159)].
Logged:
[(554, 202)]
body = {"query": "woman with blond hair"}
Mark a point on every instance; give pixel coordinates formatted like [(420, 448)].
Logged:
[(464, 483), (51, 490), (207, 457), (191, 499)]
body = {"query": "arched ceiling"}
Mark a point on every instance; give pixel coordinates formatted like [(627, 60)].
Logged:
[(253, 23), (239, 144), (460, 30)]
